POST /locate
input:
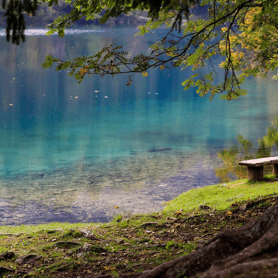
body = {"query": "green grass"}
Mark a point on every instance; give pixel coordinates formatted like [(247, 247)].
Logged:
[(48, 226), (221, 196)]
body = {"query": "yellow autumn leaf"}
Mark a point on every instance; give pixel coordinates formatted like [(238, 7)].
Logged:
[(109, 268), (162, 67), (233, 38), (83, 71), (116, 207), (144, 73)]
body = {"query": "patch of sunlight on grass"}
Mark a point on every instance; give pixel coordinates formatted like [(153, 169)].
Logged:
[(221, 196)]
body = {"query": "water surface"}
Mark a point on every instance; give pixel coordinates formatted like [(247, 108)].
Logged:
[(72, 152)]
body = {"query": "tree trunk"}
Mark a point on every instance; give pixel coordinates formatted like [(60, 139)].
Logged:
[(252, 249)]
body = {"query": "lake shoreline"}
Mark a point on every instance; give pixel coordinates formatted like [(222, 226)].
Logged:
[(130, 243)]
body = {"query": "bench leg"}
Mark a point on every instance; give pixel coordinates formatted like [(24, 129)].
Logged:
[(256, 173), (275, 170)]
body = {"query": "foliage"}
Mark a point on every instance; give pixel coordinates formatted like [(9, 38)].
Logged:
[(46, 15), (114, 8), (14, 11), (170, 244), (231, 156), (272, 135), (242, 33)]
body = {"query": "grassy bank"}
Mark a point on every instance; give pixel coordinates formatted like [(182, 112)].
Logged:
[(133, 243), (222, 196)]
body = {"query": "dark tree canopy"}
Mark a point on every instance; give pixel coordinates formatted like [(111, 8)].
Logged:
[(14, 10)]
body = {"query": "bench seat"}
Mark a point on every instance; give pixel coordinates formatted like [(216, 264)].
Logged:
[(255, 166)]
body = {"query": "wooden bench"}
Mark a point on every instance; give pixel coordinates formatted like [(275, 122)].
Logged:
[(256, 167)]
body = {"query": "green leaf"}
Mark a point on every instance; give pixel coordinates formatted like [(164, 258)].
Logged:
[(61, 33), (49, 61)]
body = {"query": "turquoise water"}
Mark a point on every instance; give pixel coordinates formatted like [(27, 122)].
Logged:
[(71, 152)]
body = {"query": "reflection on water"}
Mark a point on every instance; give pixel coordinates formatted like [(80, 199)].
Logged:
[(71, 152)]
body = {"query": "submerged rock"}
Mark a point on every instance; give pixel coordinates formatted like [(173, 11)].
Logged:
[(159, 150)]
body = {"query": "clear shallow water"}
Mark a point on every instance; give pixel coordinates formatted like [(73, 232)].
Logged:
[(71, 152)]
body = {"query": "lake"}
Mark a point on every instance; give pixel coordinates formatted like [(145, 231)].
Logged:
[(73, 152)]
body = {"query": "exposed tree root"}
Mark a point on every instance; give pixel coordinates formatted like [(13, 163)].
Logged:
[(235, 251), (245, 268)]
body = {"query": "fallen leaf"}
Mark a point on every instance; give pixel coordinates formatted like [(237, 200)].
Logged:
[(109, 268)]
